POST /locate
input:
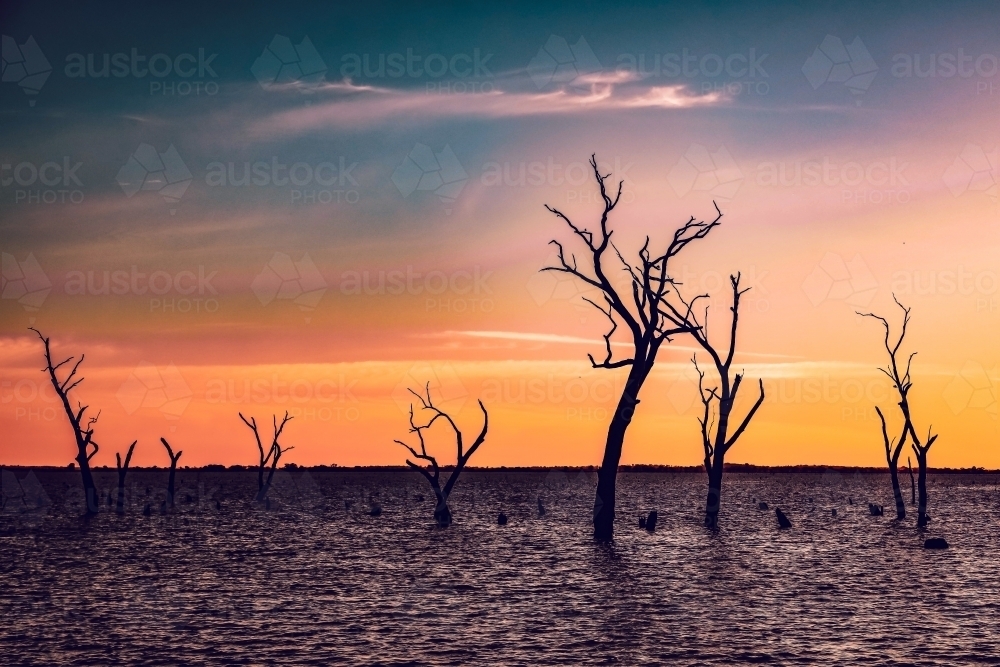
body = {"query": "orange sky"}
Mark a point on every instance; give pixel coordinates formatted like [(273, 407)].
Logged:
[(272, 298)]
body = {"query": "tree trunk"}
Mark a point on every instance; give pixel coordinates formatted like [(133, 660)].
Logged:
[(897, 493), (604, 501), (921, 491), (89, 488), (442, 513), (170, 484), (713, 502), (120, 505)]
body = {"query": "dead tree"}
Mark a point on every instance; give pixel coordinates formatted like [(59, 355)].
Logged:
[(272, 455), (902, 383), (639, 307), (174, 458), (442, 513), (717, 401), (122, 470), (83, 431)]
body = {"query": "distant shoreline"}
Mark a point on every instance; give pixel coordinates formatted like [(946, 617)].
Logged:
[(729, 468)]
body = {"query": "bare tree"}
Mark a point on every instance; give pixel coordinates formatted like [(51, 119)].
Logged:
[(174, 458), (442, 513), (83, 431), (122, 470), (902, 383), (272, 455), (717, 401), (639, 307)]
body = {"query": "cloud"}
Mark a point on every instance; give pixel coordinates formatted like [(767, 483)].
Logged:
[(359, 107), (574, 340)]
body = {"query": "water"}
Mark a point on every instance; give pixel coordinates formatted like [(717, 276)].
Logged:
[(315, 582)]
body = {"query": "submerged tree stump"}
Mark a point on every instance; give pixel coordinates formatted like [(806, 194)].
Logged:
[(783, 521), (936, 543), (651, 521)]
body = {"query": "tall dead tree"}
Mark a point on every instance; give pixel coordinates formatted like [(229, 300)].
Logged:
[(122, 471), (902, 383), (639, 307), (174, 458), (718, 401), (272, 455), (83, 430), (442, 513)]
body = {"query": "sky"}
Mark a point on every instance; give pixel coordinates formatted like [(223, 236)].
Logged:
[(315, 208)]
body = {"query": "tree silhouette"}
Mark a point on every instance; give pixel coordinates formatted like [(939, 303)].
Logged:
[(174, 458), (122, 471), (442, 513), (717, 401), (902, 383), (638, 307), (83, 431), (272, 455)]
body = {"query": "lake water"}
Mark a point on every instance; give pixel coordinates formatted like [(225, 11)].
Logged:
[(315, 582)]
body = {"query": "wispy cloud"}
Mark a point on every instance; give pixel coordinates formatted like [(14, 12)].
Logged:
[(575, 340), (358, 107)]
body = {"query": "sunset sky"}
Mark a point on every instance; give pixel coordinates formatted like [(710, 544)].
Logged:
[(313, 210)]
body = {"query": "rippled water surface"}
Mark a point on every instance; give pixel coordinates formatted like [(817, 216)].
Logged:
[(315, 581)]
